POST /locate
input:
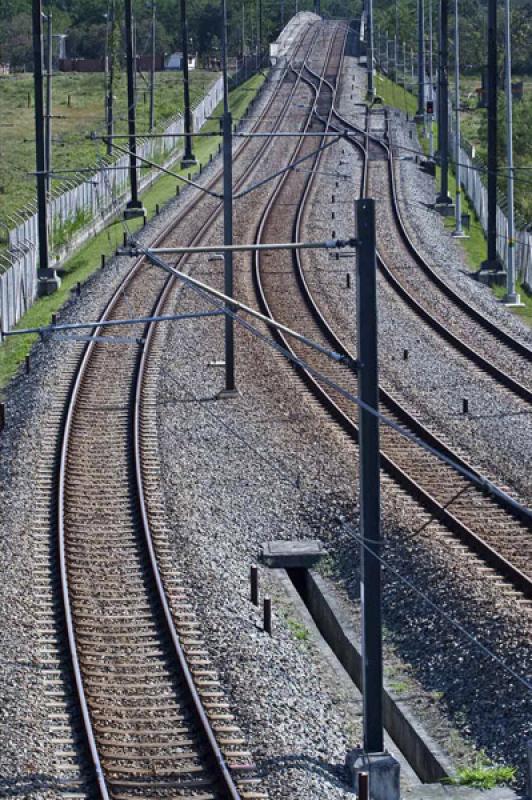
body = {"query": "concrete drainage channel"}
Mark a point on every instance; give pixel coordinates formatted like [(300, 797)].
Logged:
[(308, 592)]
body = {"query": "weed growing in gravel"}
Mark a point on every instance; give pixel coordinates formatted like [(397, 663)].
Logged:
[(298, 629), (326, 566), (483, 775)]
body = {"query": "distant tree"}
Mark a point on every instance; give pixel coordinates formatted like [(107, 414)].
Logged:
[(16, 42)]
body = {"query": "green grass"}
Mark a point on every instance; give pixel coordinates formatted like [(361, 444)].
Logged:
[(394, 95), (87, 260), (299, 631), (85, 113), (483, 776)]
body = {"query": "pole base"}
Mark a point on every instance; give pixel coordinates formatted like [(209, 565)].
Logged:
[(460, 235), (491, 265), (131, 212), (48, 283), (446, 209), (491, 277), (227, 394), (383, 770), (188, 161), (513, 300)]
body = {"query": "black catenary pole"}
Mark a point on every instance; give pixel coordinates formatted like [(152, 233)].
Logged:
[(443, 104), (152, 65), (370, 54), (49, 101), (228, 213), (260, 32), (421, 59), (110, 66), (188, 156), (134, 206), (43, 273), (371, 579), (492, 135)]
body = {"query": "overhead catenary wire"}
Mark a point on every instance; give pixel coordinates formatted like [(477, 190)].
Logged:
[(281, 469), (219, 299)]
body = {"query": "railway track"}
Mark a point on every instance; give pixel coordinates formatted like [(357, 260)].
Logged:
[(154, 714), (496, 528), (491, 349)]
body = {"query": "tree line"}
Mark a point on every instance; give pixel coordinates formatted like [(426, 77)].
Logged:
[(87, 26)]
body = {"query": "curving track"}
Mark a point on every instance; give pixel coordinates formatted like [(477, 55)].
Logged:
[(496, 528), (155, 717), (487, 346)]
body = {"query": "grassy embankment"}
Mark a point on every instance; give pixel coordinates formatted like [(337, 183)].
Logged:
[(78, 107), (87, 259), (475, 246)]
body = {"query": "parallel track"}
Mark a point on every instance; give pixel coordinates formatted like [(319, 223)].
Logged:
[(493, 350), (155, 717), (497, 530)]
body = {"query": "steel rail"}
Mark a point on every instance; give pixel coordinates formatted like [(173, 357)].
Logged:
[(516, 509), (521, 581), (67, 427), (459, 344)]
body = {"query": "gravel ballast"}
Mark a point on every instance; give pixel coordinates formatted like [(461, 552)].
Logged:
[(266, 464), (226, 471)]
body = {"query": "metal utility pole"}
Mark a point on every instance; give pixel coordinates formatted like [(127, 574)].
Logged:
[(396, 42), (259, 32), (188, 157), (243, 32), (404, 69), (431, 87), (48, 126), (458, 208), (110, 72), (370, 529), (282, 14), (512, 298), (152, 69), (370, 55), (421, 59), (443, 105), (492, 260), (45, 275), (228, 214), (134, 207)]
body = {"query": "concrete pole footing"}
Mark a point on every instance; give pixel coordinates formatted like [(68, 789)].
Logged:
[(383, 771)]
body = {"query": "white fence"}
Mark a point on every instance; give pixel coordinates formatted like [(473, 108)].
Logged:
[(478, 195), (82, 210)]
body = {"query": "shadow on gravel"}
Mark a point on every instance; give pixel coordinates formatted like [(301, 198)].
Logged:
[(24, 785), (334, 774), (485, 703)]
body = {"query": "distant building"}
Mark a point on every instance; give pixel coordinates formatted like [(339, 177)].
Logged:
[(5, 69), (175, 61)]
